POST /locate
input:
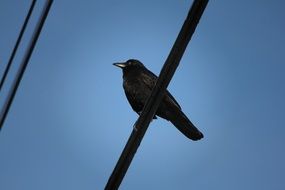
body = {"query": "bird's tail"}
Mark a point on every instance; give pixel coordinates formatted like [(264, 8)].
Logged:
[(185, 126)]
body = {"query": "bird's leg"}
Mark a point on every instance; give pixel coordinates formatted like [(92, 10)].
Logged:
[(135, 126), (139, 113)]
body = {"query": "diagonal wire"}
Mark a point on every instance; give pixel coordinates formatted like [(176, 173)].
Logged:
[(17, 44), (24, 63), (158, 91)]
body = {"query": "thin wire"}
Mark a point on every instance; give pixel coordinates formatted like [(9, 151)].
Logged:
[(25, 61), (17, 44)]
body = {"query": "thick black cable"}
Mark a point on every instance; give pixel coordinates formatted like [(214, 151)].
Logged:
[(158, 91)]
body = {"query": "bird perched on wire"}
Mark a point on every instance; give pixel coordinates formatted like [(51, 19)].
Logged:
[(138, 83)]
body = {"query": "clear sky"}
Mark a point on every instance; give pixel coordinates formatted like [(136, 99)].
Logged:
[(70, 119)]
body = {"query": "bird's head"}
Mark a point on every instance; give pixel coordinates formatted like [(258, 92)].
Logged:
[(131, 64)]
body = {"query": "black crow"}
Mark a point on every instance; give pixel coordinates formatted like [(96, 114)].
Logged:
[(138, 82)]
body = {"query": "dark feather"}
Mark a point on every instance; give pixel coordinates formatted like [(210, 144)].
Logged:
[(138, 84)]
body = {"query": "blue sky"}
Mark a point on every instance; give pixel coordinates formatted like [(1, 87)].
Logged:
[(70, 119)]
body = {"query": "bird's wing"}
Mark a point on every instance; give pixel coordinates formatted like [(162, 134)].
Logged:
[(172, 99), (150, 78)]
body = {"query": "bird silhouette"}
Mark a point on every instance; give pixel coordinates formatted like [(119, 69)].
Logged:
[(138, 83)]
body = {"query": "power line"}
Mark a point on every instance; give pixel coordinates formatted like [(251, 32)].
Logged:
[(17, 44), (24, 62), (158, 91)]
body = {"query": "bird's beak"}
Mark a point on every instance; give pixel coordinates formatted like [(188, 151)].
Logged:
[(121, 65)]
